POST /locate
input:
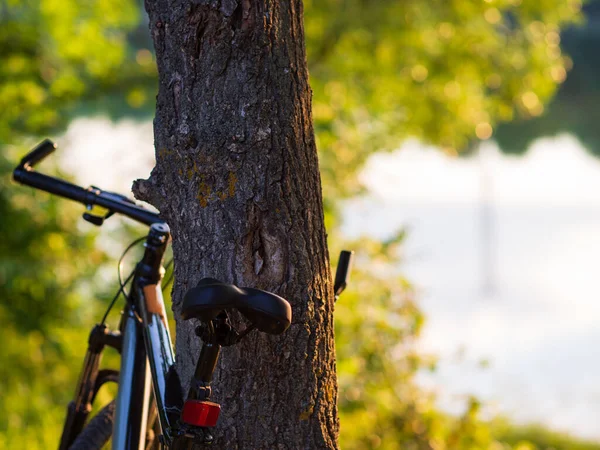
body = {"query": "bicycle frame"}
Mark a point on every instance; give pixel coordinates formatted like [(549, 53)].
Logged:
[(147, 354), (147, 360), (143, 338), (146, 319)]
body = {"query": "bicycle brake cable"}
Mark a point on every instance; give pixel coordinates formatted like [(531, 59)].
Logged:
[(122, 283), (119, 292), (120, 263)]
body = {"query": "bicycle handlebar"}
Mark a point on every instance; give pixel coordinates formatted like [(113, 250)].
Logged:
[(116, 203), (43, 149)]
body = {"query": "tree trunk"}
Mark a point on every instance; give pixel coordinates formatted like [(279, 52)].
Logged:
[(237, 180)]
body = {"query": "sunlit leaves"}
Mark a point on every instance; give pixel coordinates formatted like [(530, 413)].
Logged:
[(574, 109), (55, 51), (45, 266), (444, 72)]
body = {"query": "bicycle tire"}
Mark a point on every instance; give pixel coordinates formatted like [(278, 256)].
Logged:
[(98, 431)]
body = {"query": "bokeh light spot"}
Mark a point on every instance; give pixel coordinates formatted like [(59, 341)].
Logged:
[(492, 15), (143, 57), (493, 81), (483, 130), (558, 74), (419, 73)]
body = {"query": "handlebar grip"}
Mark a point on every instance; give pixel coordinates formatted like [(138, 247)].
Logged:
[(43, 149), (342, 274)]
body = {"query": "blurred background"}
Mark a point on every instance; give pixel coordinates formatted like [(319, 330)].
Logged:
[(459, 159)]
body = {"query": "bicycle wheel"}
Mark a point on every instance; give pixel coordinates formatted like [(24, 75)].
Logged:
[(97, 432)]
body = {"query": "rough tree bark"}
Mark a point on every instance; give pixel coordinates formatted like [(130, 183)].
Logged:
[(237, 180)]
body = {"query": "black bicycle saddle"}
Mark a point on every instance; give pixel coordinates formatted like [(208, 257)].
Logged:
[(270, 313)]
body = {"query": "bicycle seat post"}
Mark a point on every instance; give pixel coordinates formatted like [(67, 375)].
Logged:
[(198, 411), (207, 362)]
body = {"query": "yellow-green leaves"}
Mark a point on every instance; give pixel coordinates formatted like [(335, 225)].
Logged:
[(53, 53), (445, 72)]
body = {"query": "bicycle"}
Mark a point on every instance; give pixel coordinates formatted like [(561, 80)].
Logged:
[(149, 410)]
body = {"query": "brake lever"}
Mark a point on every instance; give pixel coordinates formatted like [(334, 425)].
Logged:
[(99, 220), (96, 220)]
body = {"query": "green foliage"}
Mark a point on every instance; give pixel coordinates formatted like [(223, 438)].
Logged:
[(41, 310), (575, 107), (540, 437), (57, 52), (443, 72), (377, 328)]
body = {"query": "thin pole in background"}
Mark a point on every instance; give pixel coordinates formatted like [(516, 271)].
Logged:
[(487, 224)]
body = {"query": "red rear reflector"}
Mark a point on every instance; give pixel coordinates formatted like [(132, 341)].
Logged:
[(200, 413)]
